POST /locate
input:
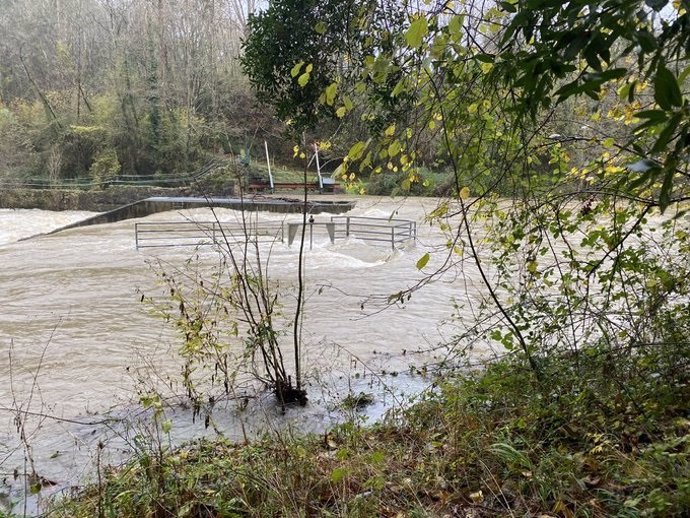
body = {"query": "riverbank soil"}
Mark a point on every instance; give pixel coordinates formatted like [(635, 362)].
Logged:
[(595, 433)]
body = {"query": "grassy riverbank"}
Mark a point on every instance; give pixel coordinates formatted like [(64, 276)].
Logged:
[(597, 434)]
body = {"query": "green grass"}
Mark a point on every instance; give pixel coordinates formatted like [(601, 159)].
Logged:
[(597, 434)]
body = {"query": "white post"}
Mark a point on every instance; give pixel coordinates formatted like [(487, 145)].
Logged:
[(318, 166), (268, 163)]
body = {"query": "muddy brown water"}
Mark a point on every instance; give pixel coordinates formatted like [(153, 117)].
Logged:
[(77, 346)]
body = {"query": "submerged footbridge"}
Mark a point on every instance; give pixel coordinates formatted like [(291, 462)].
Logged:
[(155, 204), (394, 232)]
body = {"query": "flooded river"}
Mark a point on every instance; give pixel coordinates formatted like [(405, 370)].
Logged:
[(77, 345)]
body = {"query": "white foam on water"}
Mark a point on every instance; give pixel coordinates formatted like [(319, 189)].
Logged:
[(16, 224)]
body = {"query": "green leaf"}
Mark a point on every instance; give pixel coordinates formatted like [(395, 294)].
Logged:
[(667, 134), (666, 89), (647, 40), (591, 85), (35, 487), (357, 150), (378, 457), (423, 261), (575, 45), (399, 87), (667, 186), (338, 474), (416, 32), (624, 91), (484, 58), (684, 75), (320, 28), (631, 92), (455, 26), (655, 115)]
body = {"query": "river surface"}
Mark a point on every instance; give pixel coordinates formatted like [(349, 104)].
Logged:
[(77, 346)]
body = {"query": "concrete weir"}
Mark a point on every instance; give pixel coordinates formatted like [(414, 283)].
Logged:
[(155, 204)]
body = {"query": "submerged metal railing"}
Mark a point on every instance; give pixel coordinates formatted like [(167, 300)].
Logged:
[(148, 234), (393, 231)]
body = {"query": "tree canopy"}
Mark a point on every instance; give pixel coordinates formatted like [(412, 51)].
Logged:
[(523, 60)]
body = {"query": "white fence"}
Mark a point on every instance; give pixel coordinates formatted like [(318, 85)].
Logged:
[(393, 231), (149, 234)]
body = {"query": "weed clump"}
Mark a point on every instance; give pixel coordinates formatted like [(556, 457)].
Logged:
[(596, 433)]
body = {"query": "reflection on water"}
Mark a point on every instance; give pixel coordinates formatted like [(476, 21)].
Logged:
[(75, 339)]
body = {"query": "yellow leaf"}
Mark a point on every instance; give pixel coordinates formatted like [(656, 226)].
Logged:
[(330, 93), (477, 497), (295, 70), (394, 148), (357, 150), (303, 79), (464, 193), (422, 262)]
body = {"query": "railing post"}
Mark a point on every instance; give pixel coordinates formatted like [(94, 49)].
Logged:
[(347, 226), (136, 235), (393, 238)]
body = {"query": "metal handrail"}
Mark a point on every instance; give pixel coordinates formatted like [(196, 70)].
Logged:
[(179, 233), (148, 234), (395, 230)]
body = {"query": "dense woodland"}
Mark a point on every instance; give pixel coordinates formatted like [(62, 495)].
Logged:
[(91, 90), (94, 90)]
